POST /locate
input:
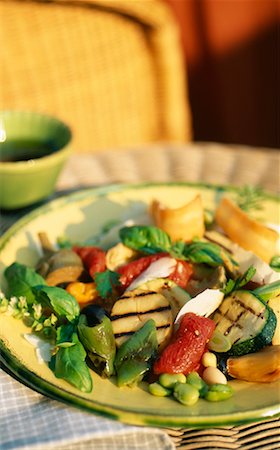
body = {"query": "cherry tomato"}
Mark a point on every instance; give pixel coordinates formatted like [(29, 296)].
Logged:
[(184, 353), (94, 259)]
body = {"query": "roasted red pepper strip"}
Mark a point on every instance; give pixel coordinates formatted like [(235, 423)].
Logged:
[(181, 274), (94, 259), (184, 353), (132, 270)]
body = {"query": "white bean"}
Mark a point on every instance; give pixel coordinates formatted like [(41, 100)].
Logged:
[(212, 375), (209, 360)]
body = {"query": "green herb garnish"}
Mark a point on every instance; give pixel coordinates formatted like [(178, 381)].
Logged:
[(234, 285), (250, 198), (105, 282)]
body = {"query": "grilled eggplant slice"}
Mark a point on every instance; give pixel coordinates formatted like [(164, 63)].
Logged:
[(136, 307), (247, 321)]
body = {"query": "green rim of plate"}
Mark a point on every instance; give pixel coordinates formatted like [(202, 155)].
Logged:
[(103, 191), (38, 384)]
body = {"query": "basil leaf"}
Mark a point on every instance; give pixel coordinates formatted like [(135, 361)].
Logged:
[(71, 366), (203, 252), (177, 250), (146, 239), (59, 300), (21, 279), (65, 332)]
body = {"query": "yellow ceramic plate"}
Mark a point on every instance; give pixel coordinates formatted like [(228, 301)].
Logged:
[(80, 216)]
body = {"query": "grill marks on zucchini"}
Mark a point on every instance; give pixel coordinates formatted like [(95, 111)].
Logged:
[(135, 308), (130, 314), (248, 322)]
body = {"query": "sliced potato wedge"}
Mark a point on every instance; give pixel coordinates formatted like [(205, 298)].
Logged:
[(245, 231), (185, 222)]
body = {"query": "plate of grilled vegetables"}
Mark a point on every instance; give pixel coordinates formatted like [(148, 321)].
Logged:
[(153, 304)]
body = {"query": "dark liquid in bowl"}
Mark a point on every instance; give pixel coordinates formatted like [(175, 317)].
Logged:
[(23, 150)]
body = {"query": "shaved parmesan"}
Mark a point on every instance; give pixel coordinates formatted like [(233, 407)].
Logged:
[(264, 273), (161, 268), (204, 304), (43, 349)]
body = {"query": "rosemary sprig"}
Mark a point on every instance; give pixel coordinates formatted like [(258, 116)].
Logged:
[(250, 198)]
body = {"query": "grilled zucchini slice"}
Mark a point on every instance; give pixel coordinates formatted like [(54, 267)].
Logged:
[(247, 321), (136, 307), (176, 295), (274, 304)]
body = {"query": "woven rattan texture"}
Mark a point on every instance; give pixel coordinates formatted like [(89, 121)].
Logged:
[(253, 436), (195, 162), (112, 70)]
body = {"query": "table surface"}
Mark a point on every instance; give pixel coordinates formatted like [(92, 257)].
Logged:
[(213, 163)]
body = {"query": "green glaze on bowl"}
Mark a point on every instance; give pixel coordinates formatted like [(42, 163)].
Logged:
[(33, 149), (79, 217)]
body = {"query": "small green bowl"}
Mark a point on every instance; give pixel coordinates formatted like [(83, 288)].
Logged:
[(33, 149)]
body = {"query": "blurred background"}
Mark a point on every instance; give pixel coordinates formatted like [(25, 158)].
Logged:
[(232, 51), (126, 72)]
